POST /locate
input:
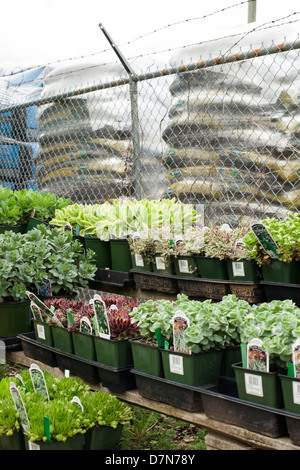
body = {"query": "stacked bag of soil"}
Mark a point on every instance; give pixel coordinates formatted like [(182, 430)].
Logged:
[(85, 141), (227, 145), (232, 140)]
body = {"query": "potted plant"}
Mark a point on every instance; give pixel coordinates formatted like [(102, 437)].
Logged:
[(283, 266), (154, 321), (11, 437), (10, 214), (212, 261), (186, 247), (276, 325), (70, 337), (210, 329), (44, 206), (115, 350), (22, 268)]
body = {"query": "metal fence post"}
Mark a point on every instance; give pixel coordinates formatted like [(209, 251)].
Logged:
[(134, 115)]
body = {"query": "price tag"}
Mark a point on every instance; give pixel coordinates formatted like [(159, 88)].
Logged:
[(160, 264), (176, 364), (139, 260), (183, 266), (253, 384), (40, 331), (238, 268)]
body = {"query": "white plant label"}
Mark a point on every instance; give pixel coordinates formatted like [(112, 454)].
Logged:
[(160, 264), (296, 393), (176, 364), (238, 268), (139, 260), (253, 384), (183, 266), (41, 331)]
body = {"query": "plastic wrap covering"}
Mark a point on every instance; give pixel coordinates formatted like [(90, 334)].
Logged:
[(232, 139), (18, 127)]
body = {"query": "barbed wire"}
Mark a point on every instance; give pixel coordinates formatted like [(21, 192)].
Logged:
[(268, 25)]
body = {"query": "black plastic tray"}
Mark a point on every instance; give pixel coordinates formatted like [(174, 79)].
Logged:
[(168, 392), (153, 281), (117, 379), (231, 410), (110, 277), (281, 291), (12, 343), (36, 350)]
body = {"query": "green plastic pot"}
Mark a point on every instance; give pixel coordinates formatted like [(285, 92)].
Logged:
[(103, 437), (14, 442), (139, 264), (15, 318), (84, 345), (33, 222), (185, 266), (192, 369), (43, 333), (212, 268), (147, 358), (259, 387), (161, 267), (113, 352), (243, 270), (62, 339), (101, 249), (278, 271), (120, 255), (72, 443), (230, 355), (290, 393)]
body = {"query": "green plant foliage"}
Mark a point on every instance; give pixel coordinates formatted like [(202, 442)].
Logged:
[(26, 260), (286, 234), (277, 324), (66, 417)]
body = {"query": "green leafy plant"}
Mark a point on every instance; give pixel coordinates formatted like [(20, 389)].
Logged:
[(286, 235), (27, 260), (277, 324), (66, 417), (221, 242), (10, 213), (122, 218)]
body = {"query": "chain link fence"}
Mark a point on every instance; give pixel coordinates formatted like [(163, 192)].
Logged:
[(222, 132)]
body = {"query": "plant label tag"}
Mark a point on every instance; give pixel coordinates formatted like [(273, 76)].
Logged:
[(265, 239), (68, 227), (101, 316), (20, 407), (176, 364), (38, 380), (296, 358), (296, 392), (45, 288), (40, 331), (85, 326), (2, 352), (257, 358), (39, 306), (180, 324), (160, 264), (77, 401), (253, 384), (183, 266), (238, 268), (139, 260)]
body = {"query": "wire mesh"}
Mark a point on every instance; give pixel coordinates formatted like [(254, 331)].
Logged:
[(223, 134)]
